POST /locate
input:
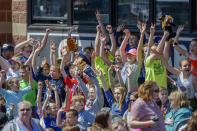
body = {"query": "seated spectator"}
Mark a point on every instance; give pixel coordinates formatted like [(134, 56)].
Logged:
[(102, 122), (7, 51), (165, 104), (192, 123), (180, 109), (13, 95), (3, 120), (119, 125), (70, 120), (145, 114), (85, 117), (24, 121)]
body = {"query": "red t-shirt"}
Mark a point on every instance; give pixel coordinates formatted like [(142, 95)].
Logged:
[(73, 89), (194, 65)]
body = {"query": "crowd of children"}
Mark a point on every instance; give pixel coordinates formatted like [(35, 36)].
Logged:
[(122, 88)]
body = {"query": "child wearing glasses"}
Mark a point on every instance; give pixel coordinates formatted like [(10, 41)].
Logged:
[(13, 95)]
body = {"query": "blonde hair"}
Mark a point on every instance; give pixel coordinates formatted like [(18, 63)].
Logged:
[(181, 61), (179, 98), (77, 98), (24, 103), (72, 68), (123, 92), (26, 46), (10, 82), (56, 66), (161, 88), (146, 90)]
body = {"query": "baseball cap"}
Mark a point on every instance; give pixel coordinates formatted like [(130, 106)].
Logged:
[(132, 52), (7, 47)]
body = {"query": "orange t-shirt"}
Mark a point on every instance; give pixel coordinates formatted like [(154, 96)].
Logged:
[(194, 65)]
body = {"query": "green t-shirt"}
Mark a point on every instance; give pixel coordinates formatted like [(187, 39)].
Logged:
[(156, 71), (31, 95), (101, 65)]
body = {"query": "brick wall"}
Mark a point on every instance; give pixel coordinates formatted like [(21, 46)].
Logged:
[(13, 21)]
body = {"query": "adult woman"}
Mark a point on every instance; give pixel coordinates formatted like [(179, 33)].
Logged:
[(145, 114), (23, 122), (180, 110)]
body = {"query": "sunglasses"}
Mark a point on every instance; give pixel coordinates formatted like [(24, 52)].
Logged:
[(131, 100), (28, 109)]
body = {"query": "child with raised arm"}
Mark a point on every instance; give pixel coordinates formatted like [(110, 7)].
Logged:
[(94, 101), (132, 58), (155, 70), (186, 81), (119, 103), (50, 112), (192, 55), (13, 95), (54, 75), (84, 118)]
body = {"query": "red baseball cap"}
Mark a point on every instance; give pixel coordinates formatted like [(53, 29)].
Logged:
[(132, 52)]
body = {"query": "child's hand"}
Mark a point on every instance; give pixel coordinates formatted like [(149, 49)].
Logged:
[(127, 32), (169, 121), (129, 71), (65, 51), (38, 45), (111, 68), (98, 15), (100, 74), (180, 29), (117, 68), (143, 28), (71, 30), (109, 28), (53, 46), (119, 28), (44, 61), (98, 28), (2, 73), (62, 109), (40, 85), (166, 34), (152, 29), (102, 37), (48, 30), (53, 87), (47, 83), (12, 107), (31, 40)]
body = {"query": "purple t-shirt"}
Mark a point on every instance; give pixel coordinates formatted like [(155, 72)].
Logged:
[(143, 112)]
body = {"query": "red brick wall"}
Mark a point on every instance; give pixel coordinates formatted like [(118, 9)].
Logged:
[(5, 19), (12, 14)]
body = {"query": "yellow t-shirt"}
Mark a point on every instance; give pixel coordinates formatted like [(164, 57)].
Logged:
[(156, 71), (101, 65)]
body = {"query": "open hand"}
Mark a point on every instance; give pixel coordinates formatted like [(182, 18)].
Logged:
[(119, 28), (109, 28), (98, 15), (53, 46), (127, 32), (152, 29)]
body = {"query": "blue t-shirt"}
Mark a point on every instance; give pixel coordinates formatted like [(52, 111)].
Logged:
[(84, 118), (12, 97), (51, 123)]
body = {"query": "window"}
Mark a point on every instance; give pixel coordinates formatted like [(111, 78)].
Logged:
[(129, 11), (178, 9), (47, 11), (84, 11)]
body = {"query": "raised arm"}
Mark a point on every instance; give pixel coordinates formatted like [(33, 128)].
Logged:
[(102, 51), (64, 60), (140, 45), (52, 52), (2, 73), (111, 82), (29, 60), (175, 45), (57, 99), (103, 80), (82, 86), (171, 69), (45, 105), (112, 38), (39, 97), (118, 72), (19, 46), (30, 77), (59, 122), (99, 19), (44, 39), (128, 73), (123, 46), (97, 41), (160, 47), (4, 64)]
